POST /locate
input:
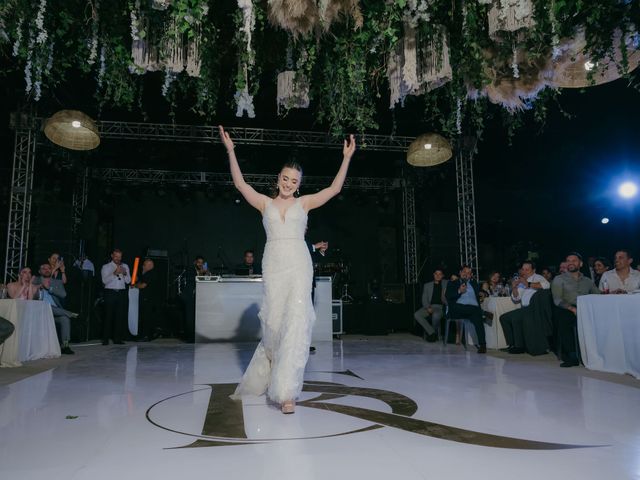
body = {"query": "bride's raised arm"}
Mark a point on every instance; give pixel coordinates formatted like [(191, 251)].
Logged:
[(255, 199), (315, 200)]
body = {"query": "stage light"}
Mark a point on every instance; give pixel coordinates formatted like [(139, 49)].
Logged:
[(588, 65), (628, 190), (604, 221)]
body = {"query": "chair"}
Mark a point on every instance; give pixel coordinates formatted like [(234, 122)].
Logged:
[(465, 326)]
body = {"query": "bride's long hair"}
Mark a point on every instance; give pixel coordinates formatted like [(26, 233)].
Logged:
[(294, 166)]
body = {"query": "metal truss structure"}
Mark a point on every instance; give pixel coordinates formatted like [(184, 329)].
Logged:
[(466, 209), (27, 133), (24, 153), (209, 178), (79, 201), (409, 235), (167, 177), (244, 136)]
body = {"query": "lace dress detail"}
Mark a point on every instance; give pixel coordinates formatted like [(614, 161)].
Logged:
[(287, 313)]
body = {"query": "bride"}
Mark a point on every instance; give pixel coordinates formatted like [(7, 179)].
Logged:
[(286, 314)]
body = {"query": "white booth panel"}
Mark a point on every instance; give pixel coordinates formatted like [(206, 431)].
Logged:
[(227, 309)]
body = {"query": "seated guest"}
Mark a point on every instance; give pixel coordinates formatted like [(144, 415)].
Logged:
[(547, 273), (248, 266), (566, 289), (493, 287), (523, 289), (463, 301), (433, 302), (623, 278), (57, 267), (53, 292), (600, 265), (23, 289)]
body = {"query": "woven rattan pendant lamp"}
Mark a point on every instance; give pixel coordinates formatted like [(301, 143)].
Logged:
[(428, 150), (72, 129)]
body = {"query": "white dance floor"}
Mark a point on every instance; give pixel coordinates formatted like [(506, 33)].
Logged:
[(373, 408)]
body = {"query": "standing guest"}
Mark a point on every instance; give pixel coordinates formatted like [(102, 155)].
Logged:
[(248, 265), (53, 292), (566, 289), (600, 265), (188, 295), (115, 276), (286, 313), (623, 278), (547, 274), (433, 302), (23, 289), (85, 266), (319, 248), (149, 301), (56, 262), (463, 301)]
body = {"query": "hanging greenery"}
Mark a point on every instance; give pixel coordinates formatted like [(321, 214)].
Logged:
[(513, 53)]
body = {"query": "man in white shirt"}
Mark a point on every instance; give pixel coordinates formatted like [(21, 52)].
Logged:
[(623, 278), (115, 276), (523, 289)]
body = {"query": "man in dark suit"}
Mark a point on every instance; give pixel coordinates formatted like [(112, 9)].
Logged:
[(433, 302), (463, 302), (150, 301)]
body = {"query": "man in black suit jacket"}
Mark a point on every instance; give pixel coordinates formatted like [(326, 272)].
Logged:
[(464, 303)]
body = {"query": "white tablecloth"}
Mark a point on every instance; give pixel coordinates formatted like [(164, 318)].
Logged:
[(609, 332), (498, 306), (35, 332)]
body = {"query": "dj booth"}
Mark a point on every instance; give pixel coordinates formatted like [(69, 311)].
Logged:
[(227, 309)]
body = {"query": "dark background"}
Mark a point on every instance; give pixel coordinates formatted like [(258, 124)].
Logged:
[(543, 194)]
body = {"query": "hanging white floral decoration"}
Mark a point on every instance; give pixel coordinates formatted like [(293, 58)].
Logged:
[(169, 78), (42, 32), (244, 100), (93, 45), (16, 44), (135, 22), (514, 63), (459, 116), (103, 67)]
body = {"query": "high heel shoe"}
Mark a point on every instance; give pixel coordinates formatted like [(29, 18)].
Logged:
[(288, 407)]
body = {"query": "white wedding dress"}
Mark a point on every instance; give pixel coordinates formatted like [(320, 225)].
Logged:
[(287, 314)]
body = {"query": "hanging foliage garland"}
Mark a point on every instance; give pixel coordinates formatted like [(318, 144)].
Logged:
[(506, 52)]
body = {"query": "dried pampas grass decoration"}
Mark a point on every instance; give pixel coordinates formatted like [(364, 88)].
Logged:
[(514, 93), (301, 17)]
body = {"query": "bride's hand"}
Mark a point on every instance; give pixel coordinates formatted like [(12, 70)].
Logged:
[(226, 139), (349, 147)]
